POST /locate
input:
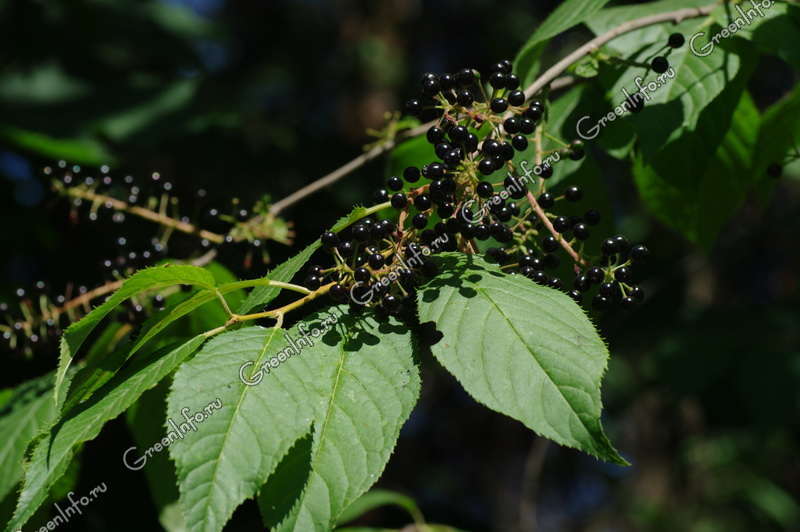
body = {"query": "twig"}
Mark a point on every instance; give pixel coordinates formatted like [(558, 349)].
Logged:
[(348, 168), (157, 217), (546, 222), (559, 68)]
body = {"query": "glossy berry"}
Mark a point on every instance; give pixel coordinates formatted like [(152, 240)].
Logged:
[(608, 289), (511, 125), (361, 232), (338, 293), (380, 195), (399, 200), (413, 107), (580, 231), (394, 183), (419, 221), (576, 151), (375, 261), (549, 244), (486, 166), (480, 231), (628, 302), (660, 64), (609, 247), (601, 302), (561, 224), (499, 105), (391, 303), (519, 142), (497, 80), (573, 193), (516, 98), (435, 135), (411, 174), (623, 274), (676, 40), (512, 81), (527, 126), (422, 202), (313, 282), (446, 210), (640, 253), (576, 296), (547, 171), (464, 98), (636, 293), (484, 189), (345, 248), (595, 275), (330, 239), (546, 200)]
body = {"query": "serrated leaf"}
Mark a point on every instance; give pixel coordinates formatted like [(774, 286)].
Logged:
[(285, 271), (238, 448), (521, 349), (141, 281), (567, 15), (54, 451), (29, 410)]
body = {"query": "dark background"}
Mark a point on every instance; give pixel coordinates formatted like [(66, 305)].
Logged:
[(248, 98)]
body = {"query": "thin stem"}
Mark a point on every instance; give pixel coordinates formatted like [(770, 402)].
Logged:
[(236, 318), (157, 217), (546, 222)]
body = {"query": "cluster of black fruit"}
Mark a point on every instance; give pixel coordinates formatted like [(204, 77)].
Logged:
[(375, 265), (437, 203)]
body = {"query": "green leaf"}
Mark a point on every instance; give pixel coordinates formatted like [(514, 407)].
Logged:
[(697, 182), (29, 410), (141, 281), (377, 498), (54, 451), (353, 388), (775, 31), (567, 15), (284, 272), (778, 133), (521, 349)]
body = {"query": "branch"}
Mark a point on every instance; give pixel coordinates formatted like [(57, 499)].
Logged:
[(559, 68)]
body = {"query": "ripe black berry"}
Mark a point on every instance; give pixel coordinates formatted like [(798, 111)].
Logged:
[(660, 64), (446, 210), (636, 293), (380, 195), (511, 125), (580, 231), (497, 80), (676, 40), (595, 275), (420, 221), (512, 81), (499, 105), (435, 135), (362, 275), (399, 200), (535, 111), (338, 293), (480, 231), (608, 289), (527, 125), (361, 232), (519, 142), (576, 296), (547, 171), (394, 183), (486, 166), (516, 98), (375, 261), (576, 151), (484, 189), (640, 253), (628, 302), (411, 174), (549, 244), (413, 107), (609, 247), (465, 76), (464, 98), (561, 224), (329, 239), (422, 202), (573, 193), (345, 248), (601, 302), (623, 274), (313, 282), (546, 200)]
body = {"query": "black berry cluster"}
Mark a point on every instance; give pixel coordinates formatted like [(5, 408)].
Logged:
[(478, 196)]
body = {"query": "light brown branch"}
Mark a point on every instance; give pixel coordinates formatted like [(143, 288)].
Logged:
[(546, 222)]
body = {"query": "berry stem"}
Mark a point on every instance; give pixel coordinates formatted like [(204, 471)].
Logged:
[(546, 222)]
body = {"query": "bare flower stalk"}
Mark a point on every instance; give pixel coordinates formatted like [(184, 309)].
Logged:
[(157, 217)]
